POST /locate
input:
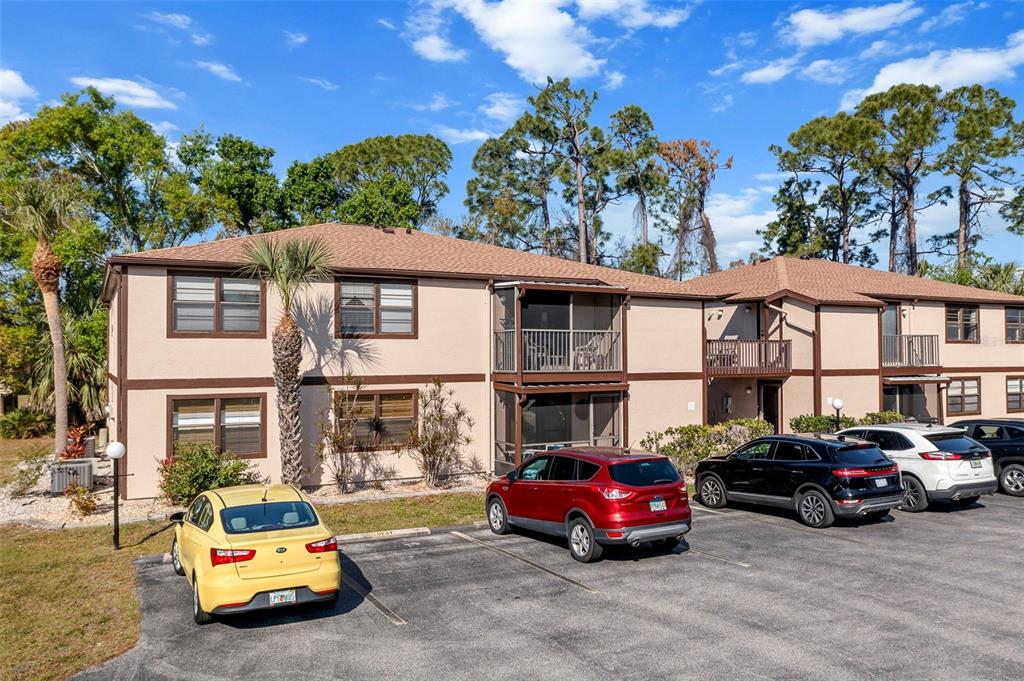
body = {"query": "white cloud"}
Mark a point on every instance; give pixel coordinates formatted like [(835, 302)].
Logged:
[(437, 103), (632, 14), (182, 22), (13, 89), (723, 104), (538, 39), (386, 24), (613, 80), (437, 48), (747, 39), (321, 83), (201, 39), (222, 71), (947, 69), (951, 14), (164, 128), (770, 72), (808, 27), (127, 92), (294, 39), (736, 219), (503, 106), (887, 48), (462, 135), (826, 71)]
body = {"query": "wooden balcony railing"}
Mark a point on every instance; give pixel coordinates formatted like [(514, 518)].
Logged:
[(559, 350), (748, 358), (910, 350)]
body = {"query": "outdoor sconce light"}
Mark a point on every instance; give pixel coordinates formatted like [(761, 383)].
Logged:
[(106, 409), (748, 390)]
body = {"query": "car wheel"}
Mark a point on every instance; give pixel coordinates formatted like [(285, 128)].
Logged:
[(965, 501), (712, 492), (176, 558), (497, 517), (1011, 480), (915, 499), (582, 544), (198, 614), (815, 510)]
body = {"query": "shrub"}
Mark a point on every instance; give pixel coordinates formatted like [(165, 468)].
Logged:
[(339, 446), (28, 474), (22, 424), (878, 418), (196, 468), (75, 448), (80, 500), (821, 423), (444, 426), (688, 445)]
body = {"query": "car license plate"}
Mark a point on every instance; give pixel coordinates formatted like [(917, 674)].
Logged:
[(881, 482), (975, 464), (658, 504), (282, 597)]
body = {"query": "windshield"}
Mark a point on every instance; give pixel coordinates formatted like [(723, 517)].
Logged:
[(276, 515), (860, 456), (644, 473), (955, 443)]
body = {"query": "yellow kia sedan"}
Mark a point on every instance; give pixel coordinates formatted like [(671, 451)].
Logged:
[(254, 547)]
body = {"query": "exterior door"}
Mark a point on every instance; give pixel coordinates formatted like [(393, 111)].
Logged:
[(770, 403)]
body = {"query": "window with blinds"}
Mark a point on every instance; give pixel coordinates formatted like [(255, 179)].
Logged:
[(1015, 325), (376, 308), (1015, 393), (214, 305), (961, 324), (240, 425), (963, 396), (382, 420), (230, 424)]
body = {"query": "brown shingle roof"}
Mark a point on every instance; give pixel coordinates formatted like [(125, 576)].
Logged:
[(825, 281), (355, 248)]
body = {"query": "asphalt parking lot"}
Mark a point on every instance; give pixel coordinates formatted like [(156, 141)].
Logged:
[(753, 595)]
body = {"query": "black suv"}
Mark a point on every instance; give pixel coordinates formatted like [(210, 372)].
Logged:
[(1005, 437), (818, 476)]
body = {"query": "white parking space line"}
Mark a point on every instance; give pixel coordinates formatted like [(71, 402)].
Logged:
[(374, 601), (724, 560), (538, 566), (700, 509)]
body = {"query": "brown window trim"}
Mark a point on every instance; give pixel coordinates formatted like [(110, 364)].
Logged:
[(945, 318), (1006, 322), (376, 281), (1008, 410), (216, 333), (960, 379), (378, 446), (171, 399)]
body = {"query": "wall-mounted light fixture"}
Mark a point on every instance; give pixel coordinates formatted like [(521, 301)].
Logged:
[(748, 390)]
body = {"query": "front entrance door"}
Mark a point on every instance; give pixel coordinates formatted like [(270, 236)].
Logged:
[(768, 397)]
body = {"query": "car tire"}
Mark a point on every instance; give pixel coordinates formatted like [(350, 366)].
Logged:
[(1011, 480), (582, 544), (497, 516), (815, 510), (915, 498), (965, 501), (711, 492), (176, 558), (198, 614)]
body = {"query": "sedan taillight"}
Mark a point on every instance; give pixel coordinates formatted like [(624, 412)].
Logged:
[(323, 546), (223, 556)]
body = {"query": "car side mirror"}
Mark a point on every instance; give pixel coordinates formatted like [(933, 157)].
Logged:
[(512, 475), (178, 517)]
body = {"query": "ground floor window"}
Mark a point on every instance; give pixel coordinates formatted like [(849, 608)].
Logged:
[(963, 396), (380, 419), (235, 423), (917, 401), (1015, 393)]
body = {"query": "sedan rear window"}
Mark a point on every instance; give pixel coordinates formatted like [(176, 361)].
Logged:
[(644, 473), (955, 443), (275, 515), (859, 455)]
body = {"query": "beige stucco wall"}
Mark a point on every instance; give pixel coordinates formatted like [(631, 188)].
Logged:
[(797, 328), (743, 405), (657, 405), (664, 335), (849, 337), (797, 399), (732, 321), (993, 350), (858, 393)]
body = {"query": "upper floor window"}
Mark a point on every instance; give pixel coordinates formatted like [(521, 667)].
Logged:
[(214, 305), (231, 424), (963, 396), (962, 324), (1015, 325), (376, 308)]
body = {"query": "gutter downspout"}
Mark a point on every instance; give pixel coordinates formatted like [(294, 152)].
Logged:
[(785, 318)]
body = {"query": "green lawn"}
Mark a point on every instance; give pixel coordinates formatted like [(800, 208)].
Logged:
[(13, 452), (47, 631)]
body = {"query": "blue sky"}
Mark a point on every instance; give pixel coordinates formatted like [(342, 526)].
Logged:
[(306, 78)]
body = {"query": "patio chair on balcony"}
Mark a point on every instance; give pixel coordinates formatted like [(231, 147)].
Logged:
[(585, 355)]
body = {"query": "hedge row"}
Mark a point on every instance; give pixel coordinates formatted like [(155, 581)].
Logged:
[(688, 445), (822, 423)]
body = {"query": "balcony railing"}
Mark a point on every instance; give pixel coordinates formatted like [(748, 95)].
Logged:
[(910, 350), (559, 350), (748, 358)]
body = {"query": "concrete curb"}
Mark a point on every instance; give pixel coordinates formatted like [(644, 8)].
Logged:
[(383, 534), (161, 559)]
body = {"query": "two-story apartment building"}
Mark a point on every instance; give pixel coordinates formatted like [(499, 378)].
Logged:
[(787, 336), (539, 350)]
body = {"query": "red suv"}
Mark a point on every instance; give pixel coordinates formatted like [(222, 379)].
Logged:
[(593, 496)]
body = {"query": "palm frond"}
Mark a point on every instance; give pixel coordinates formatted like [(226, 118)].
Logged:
[(42, 207), (288, 266)]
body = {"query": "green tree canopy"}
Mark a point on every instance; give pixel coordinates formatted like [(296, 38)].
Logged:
[(311, 194), (386, 200)]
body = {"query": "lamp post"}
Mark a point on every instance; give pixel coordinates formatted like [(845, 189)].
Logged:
[(115, 452), (837, 404)]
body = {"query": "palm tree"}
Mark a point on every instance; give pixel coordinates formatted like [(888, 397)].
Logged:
[(42, 209), (87, 375), (288, 267)]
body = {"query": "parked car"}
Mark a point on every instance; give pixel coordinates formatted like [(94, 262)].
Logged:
[(254, 547), (594, 497), (1005, 439), (818, 476), (936, 462)]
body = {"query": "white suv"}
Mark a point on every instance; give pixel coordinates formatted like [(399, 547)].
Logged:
[(936, 462)]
